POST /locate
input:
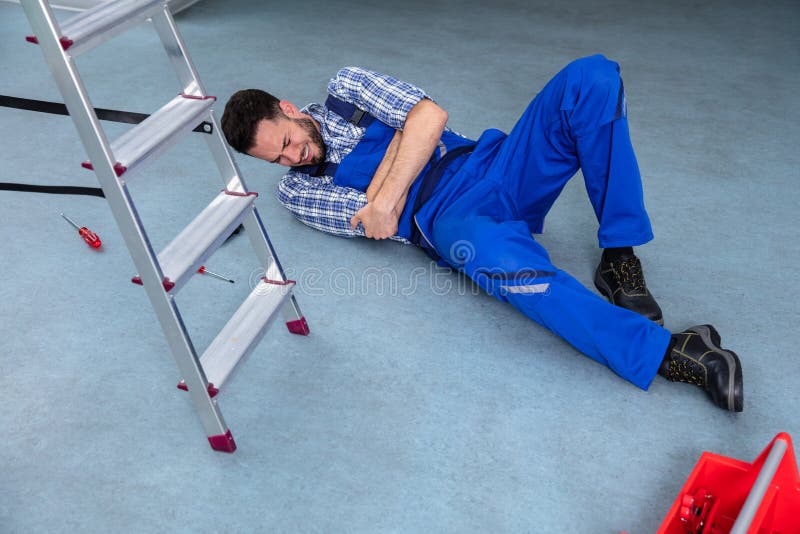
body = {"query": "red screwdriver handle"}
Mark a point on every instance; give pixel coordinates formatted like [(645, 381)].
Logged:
[(90, 237)]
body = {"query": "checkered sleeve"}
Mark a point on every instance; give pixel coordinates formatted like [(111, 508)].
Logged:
[(323, 205), (386, 98)]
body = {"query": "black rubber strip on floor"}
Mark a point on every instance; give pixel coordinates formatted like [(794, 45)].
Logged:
[(53, 189), (57, 108)]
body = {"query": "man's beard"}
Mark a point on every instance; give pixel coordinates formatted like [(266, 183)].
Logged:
[(316, 139)]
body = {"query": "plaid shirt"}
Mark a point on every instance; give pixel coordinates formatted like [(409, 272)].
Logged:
[(317, 201)]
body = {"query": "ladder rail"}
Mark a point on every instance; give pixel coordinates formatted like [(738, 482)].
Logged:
[(218, 146), (94, 140), (69, 83), (234, 182), (253, 224), (167, 30), (187, 75), (272, 267), (231, 176)]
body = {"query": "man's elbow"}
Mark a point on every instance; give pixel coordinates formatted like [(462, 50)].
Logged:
[(284, 194), (435, 114), (442, 117), (428, 112)]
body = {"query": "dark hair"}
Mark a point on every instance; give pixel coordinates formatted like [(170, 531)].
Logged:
[(243, 112)]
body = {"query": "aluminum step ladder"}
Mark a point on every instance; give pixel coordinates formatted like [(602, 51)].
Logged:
[(163, 274)]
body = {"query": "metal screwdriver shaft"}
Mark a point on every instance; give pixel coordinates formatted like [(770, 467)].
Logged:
[(90, 237), (71, 222), (203, 270)]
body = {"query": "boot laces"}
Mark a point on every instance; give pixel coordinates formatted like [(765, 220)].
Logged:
[(686, 370), (629, 275)]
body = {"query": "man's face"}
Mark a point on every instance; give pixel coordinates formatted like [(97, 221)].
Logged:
[(289, 141)]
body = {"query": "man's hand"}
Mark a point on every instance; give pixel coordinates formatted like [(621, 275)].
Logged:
[(378, 223), (406, 155)]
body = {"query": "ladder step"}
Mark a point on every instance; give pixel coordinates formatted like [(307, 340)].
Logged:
[(94, 26), (244, 330), (192, 247), (158, 132)]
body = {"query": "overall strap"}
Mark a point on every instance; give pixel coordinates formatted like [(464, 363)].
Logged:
[(326, 168), (426, 190), (349, 112), (352, 114)]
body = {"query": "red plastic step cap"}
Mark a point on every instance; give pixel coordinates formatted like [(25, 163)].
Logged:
[(167, 283), (212, 391), (119, 168), (65, 41)]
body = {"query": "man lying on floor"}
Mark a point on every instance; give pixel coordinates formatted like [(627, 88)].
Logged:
[(377, 160)]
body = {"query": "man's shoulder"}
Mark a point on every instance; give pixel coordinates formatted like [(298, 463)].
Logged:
[(314, 109), (353, 70), (353, 75)]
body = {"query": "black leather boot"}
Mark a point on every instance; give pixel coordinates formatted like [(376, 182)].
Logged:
[(621, 281), (696, 357)]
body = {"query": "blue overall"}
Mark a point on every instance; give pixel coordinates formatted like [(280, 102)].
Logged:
[(485, 206)]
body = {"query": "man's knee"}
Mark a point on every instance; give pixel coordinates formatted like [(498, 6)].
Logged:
[(594, 93), (596, 70)]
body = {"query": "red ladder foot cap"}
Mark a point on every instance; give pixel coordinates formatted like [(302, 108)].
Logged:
[(299, 327), (222, 442)]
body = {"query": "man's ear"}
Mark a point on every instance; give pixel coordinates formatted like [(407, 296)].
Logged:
[(289, 109)]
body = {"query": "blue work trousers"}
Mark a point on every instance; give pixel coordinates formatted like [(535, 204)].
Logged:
[(501, 195)]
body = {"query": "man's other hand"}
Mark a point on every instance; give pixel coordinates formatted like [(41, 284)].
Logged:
[(378, 224)]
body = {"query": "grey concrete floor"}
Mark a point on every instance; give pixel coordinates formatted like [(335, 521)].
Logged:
[(429, 408)]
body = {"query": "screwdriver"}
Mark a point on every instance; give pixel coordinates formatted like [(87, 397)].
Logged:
[(90, 237), (203, 270)]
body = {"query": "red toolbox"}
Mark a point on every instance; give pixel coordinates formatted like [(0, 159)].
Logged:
[(723, 495)]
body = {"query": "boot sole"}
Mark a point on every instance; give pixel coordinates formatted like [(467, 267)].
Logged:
[(605, 290), (712, 339)]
